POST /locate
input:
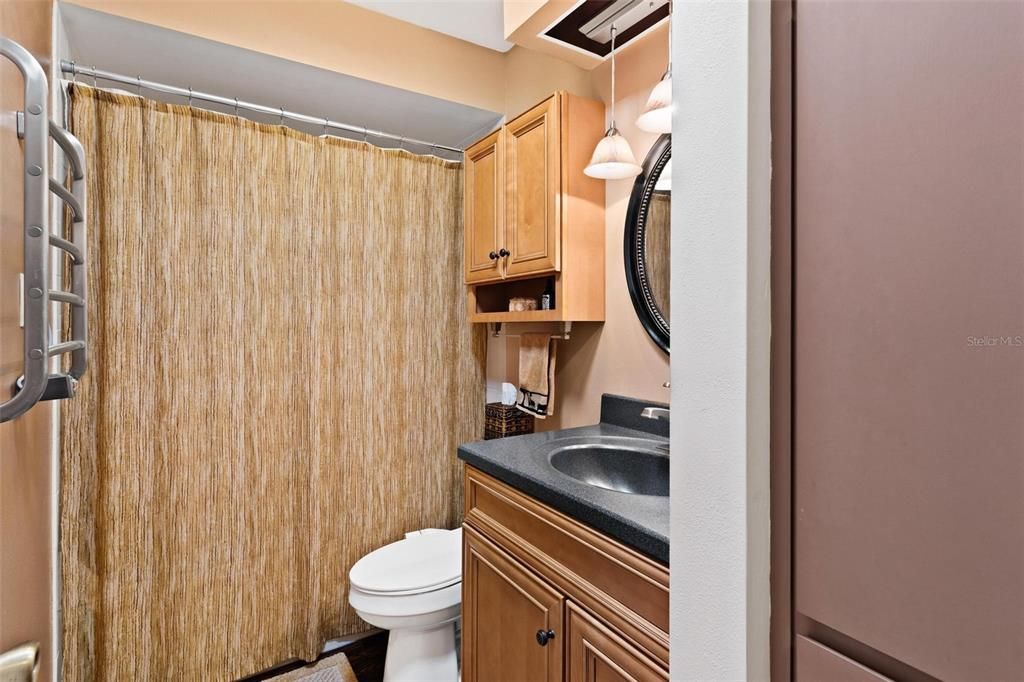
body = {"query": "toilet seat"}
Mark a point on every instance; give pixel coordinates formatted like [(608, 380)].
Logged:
[(419, 564), (413, 588)]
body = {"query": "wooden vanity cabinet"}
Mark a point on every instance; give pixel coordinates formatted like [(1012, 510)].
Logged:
[(505, 610), (546, 598), (530, 211), (596, 654)]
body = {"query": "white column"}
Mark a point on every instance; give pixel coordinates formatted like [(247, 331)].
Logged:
[(720, 341)]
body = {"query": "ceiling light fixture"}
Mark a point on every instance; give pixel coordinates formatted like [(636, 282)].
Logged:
[(613, 159), (657, 115)]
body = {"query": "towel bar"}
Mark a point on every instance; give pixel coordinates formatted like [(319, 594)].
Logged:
[(566, 330), (36, 129)]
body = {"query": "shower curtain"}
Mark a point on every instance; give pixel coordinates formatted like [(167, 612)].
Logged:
[(281, 370)]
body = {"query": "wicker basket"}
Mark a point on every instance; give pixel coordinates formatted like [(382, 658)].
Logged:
[(505, 420)]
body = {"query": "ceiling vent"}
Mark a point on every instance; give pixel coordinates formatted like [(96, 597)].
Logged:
[(587, 26)]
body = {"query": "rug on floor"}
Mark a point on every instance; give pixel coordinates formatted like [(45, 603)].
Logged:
[(331, 669)]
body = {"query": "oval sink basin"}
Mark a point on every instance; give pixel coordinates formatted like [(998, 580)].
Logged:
[(634, 469)]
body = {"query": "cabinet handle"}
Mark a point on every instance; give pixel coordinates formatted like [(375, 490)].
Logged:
[(492, 256), (545, 636), (504, 252)]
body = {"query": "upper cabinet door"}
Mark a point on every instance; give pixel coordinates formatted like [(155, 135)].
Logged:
[(533, 183), (485, 208), (511, 619)]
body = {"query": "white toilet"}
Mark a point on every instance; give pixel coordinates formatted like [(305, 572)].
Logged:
[(413, 588)]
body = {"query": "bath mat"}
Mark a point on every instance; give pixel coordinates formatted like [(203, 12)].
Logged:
[(331, 669)]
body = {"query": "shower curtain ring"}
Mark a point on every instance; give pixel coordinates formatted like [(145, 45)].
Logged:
[(364, 133), (282, 116), (138, 84), (236, 107), (190, 97), (401, 142), (94, 76), (74, 73), (327, 123)]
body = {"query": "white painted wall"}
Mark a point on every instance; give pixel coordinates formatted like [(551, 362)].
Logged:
[(720, 344)]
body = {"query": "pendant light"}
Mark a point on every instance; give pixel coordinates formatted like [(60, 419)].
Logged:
[(613, 159), (657, 115)]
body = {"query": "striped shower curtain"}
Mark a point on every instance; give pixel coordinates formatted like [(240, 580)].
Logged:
[(282, 370)]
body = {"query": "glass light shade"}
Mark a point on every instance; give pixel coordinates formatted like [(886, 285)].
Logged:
[(613, 159), (657, 115)]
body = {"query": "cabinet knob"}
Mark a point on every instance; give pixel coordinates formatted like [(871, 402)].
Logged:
[(545, 636), (504, 252), (492, 256)]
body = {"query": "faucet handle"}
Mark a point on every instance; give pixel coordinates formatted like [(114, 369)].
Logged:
[(654, 413)]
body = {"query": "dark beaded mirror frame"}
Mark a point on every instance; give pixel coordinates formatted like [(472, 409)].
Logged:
[(651, 317)]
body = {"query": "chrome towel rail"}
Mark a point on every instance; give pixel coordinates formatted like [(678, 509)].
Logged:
[(20, 664), (75, 154), (36, 129)]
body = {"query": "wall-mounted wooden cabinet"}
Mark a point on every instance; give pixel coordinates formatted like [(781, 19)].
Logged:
[(531, 213), (545, 598), (485, 208), (532, 188)]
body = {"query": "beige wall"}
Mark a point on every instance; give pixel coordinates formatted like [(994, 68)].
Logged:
[(617, 356), (26, 453), (638, 66), (517, 12), (531, 76), (348, 39)]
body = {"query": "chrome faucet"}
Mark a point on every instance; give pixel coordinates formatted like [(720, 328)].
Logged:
[(655, 413)]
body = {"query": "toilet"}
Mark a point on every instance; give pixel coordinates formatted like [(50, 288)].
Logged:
[(413, 588)]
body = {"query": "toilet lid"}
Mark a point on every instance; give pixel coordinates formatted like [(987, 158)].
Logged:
[(420, 563)]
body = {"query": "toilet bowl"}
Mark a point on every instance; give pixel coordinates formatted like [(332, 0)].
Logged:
[(413, 588)]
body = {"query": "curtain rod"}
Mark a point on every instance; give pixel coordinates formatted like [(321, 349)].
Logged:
[(75, 70)]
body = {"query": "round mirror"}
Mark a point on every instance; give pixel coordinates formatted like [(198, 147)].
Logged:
[(648, 235)]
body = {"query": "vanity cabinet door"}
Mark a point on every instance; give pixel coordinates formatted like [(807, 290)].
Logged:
[(484, 204), (596, 654), (533, 185), (511, 619)]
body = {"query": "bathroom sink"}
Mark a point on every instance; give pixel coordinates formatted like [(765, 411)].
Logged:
[(632, 466)]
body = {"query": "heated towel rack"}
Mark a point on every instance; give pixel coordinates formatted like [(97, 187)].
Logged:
[(35, 130)]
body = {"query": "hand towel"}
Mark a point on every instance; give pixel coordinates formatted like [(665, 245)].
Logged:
[(537, 374)]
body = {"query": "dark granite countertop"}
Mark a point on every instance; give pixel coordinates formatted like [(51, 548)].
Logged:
[(639, 521)]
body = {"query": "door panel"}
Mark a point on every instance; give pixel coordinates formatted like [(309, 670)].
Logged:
[(532, 159), (485, 208), (908, 319), (503, 608), (596, 654), (816, 662)]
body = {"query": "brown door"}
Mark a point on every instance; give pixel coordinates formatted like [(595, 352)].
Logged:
[(533, 177), (816, 662), (596, 654), (484, 189), (507, 612), (908, 337)]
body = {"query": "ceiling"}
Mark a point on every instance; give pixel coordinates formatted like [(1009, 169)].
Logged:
[(475, 21), (158, 54)]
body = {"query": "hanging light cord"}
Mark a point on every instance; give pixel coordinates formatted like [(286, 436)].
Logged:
[(612, 129), (669, 70)]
